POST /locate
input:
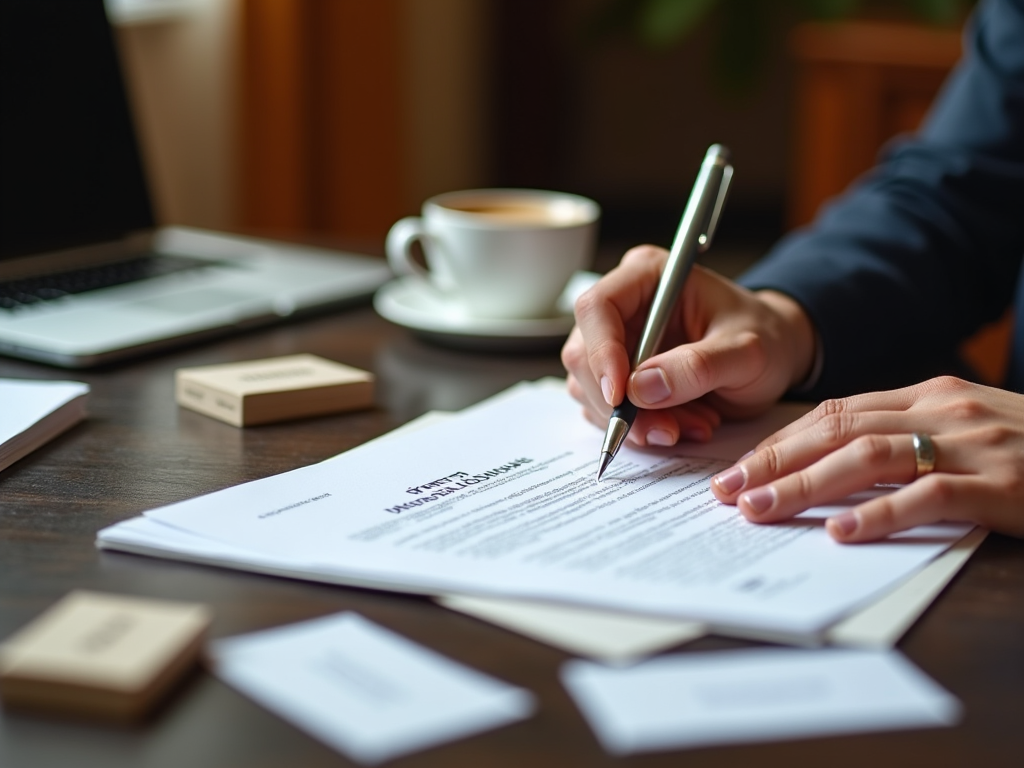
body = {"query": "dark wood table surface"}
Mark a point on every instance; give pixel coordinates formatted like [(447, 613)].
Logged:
[(138, 450)]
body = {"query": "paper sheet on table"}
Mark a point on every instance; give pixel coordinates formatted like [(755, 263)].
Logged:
[(366, 691), (35, 412), (538, 527), (765, 694)]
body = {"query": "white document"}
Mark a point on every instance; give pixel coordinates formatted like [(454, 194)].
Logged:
[(502, 500), (726, 697), (365, 690), (34, 412), (614, 636)]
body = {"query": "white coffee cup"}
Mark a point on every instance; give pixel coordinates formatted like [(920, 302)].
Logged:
[(498, 253)]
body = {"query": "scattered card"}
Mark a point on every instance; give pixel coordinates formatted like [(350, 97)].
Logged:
[(767, 694), (364, 690)]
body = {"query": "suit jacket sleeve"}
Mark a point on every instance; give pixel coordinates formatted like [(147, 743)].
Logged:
[(927, 247)]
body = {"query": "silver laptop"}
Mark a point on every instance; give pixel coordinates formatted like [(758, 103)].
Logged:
[(85, 277)]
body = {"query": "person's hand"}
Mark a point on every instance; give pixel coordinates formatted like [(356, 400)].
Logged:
[(849, 445), (730, 352)]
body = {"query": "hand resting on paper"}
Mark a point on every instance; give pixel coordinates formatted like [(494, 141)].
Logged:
[(730, 352), (848, 445)]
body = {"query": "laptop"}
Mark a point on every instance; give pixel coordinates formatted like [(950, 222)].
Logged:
[(86, 277)]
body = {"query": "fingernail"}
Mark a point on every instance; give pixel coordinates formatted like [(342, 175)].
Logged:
[(760, 500), (606, 389), (651, 385), (660, 437), (731, 481), (843, 524)]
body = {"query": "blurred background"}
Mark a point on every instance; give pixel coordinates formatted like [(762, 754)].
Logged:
[(333, 118)]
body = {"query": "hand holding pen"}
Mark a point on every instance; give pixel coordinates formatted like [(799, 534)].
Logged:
[(725, 350), (696, 229)]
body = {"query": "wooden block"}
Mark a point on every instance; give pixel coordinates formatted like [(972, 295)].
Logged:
[(275, 389), (100, 656)]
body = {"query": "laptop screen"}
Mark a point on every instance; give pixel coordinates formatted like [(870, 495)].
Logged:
[(70, 170)]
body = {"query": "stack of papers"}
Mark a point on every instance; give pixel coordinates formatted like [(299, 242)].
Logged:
[(500, 501), (364, 690), (35, 412)]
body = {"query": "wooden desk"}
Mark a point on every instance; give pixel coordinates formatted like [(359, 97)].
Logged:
[(138, 450)]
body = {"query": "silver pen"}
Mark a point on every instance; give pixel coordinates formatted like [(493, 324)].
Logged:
[(696, 228)]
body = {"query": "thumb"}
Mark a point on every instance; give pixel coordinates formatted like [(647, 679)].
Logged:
[(727, 361)]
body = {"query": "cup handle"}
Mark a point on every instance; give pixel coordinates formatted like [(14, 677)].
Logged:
[(399, 246)]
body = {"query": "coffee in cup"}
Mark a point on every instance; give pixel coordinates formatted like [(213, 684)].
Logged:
[(498, 253)]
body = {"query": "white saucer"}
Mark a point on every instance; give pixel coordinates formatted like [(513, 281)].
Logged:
[(410, 302)]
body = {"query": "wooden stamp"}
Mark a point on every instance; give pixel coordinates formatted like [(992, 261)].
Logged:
[(101, 656), (275, 389)]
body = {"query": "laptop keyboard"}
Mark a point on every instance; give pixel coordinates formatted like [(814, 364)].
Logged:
[(32, 290)]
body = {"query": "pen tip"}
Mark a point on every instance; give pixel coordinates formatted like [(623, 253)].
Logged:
[(606, 459)]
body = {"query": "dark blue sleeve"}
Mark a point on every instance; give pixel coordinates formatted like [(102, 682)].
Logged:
[(925, 249)]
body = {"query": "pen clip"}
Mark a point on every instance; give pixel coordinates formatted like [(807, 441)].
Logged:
[(704, 241)]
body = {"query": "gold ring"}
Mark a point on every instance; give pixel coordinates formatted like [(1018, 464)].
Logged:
[(924, 454)]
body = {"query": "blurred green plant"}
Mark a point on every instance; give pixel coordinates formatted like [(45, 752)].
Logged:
[(744, 26)]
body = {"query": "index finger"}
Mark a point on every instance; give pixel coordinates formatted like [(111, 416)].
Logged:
[(604, 312)]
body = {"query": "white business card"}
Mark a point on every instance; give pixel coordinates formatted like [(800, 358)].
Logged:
[(766, 694), (363, 689)]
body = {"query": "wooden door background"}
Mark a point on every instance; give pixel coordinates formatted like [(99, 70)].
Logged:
[(321, 117)]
